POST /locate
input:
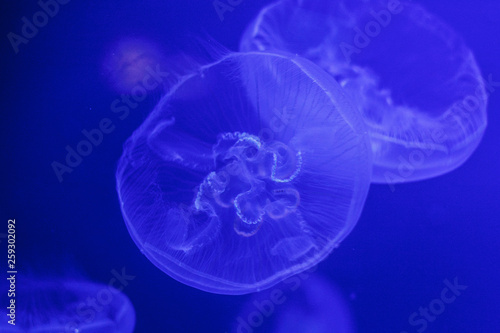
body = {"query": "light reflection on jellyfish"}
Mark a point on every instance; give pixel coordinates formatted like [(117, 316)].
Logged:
[(220, 198), (67, 305), (303, 303), (416, 82)]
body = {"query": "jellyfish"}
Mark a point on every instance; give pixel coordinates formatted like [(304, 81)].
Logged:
[(130, 66), (415, 81), (303, 303), (252, 168), (62, 305)]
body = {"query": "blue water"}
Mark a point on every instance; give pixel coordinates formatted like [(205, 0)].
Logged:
[(411, 245)]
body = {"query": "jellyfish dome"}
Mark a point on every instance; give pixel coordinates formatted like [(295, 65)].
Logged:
[(251, 169), (317, 307), (303, 303), (67, 306), (414, 79)]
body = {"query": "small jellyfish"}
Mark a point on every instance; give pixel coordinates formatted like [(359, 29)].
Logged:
[(66, 306), (132, 66), (302, 303), (413, 78), (251, 169)]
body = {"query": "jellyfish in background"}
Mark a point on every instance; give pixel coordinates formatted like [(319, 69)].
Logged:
[(68, 306), (256, 177), (303, 303), (130, 63), (414, 79)]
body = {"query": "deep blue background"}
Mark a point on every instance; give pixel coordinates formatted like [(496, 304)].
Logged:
[(405, 244)]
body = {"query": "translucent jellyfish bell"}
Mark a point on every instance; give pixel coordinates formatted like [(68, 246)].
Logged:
[(302, 303), (67, 306), (248, 171), (416, 82)]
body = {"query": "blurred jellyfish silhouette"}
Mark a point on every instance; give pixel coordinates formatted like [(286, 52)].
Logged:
[(416, 82), (65, 305), (251, 169), (132, 64), (303, 303)]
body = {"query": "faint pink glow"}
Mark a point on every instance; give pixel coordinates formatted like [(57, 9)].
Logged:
[(127, 61)]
